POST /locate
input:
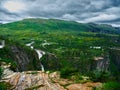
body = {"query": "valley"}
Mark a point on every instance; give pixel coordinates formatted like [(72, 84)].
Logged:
[(74, 50)]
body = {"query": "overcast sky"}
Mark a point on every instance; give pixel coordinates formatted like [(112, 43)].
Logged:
[(98, 11)]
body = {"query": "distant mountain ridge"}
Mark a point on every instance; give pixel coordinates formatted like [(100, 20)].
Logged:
[(54, 24)]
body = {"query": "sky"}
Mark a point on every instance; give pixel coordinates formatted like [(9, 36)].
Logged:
[(83, 11)]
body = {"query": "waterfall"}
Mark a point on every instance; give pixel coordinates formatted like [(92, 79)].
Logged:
[(39, 52), (30, 44), (2, 44)]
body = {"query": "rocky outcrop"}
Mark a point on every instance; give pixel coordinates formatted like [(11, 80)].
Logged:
[(115, 57), (32, 80), (6, 69), (41, 81), (50, 61), (25, 59), (86, 86), (77, 87), (38, 80), (101, 63)]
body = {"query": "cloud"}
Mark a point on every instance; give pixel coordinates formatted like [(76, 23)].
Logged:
[(14, 6), (98, 11), (69, 16), (102, 17)]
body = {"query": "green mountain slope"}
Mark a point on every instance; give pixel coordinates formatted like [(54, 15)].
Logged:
[(72, 48), (61, 25)]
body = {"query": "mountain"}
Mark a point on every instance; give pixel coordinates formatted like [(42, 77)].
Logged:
[(79, 52), (61, 25)]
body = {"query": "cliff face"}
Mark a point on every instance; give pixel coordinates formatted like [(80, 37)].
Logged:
[(115, 58), (24, 59), (21, 57), (101, 63), (51, 62)]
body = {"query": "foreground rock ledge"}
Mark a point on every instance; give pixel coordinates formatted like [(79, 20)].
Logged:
[(38, 80)]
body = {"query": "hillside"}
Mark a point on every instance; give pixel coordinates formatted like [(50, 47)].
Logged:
[(61, 25), (74, 49)]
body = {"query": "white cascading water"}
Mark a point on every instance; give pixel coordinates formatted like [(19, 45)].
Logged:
[(39, 52), (30, 45), (2, 44)]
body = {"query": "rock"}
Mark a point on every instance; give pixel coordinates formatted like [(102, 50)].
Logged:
[(7, 71), (24, 58), (92, 84), (33, 79), (115, 57), (38, 80), (101, 63), (77, 87)]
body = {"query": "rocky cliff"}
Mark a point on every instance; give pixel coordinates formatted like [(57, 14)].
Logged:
[(115, 62), (115, 57), (25, 59), (21, 57), (101, 63), (38, 80)]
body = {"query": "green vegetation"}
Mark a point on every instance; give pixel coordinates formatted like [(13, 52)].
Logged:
[(100, 76), (5, 86), (1, 71), (70, 47), (109, 86), (68, 72)]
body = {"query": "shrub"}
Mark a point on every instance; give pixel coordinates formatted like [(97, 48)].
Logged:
[(111, 86), (5, 86), (1, 70), (100, 76), (67, 72)]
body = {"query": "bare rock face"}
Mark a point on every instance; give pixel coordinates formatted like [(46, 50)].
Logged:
[(25, 60), (38, 80), (86, 86), (101, 63), (6, 69), (115, 57), (77, 87), (32, 80)]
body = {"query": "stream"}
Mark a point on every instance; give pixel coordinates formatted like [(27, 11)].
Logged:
[(2, 44), (39, 52)]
